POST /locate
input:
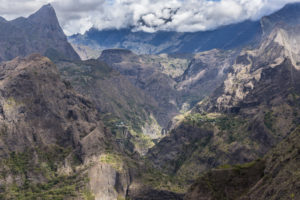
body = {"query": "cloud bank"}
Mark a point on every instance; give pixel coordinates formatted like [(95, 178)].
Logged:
[(77, 16)]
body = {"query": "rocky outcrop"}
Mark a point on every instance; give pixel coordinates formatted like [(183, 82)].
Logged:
[(39, 33)]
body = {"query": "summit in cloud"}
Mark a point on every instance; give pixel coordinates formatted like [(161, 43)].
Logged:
[(147, 16)]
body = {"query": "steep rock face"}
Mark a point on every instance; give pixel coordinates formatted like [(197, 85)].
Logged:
[(289, 14), (52, 138), (39, 33), (274, 64), (125, 108), (226, 37), (206, 71), (30, 92), (255, 108), (274, 177)]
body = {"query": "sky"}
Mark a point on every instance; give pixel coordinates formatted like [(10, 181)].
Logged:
[(78, 16)]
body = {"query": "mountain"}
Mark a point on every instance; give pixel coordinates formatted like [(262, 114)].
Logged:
[(289, 14), (256, 107), (145, 75), (221, 123), (123, 106), (175, 82), (226, 37), (46, 131), (39, 33), (54, 144)]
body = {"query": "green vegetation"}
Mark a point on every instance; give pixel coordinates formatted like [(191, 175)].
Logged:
[(140, 141), (113, 160), (3, 130), (240, 166), (197, 119), (21, 166), (223, 122), (57, 188), (120, 197), (88, 195), (229, 123), (161, 181), (269, 120), (18, 163)]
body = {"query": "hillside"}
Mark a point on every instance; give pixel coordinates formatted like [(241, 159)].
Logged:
[(276, 176), (126, 109), (176, 83)]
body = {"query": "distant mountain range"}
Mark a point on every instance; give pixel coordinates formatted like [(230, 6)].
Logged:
[(226, 37), (231, 36)]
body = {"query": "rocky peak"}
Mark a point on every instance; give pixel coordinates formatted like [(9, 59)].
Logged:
[(45, 14), (39, 33), (2, 19), (289, 14)]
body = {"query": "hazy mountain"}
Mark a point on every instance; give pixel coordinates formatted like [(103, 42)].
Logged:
[(226, 37), (39, 33)]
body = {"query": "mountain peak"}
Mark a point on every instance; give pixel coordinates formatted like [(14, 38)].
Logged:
[(2, 19), (288, 15), (46, 14)]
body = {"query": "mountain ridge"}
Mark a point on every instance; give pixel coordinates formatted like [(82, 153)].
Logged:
[(170, 42)]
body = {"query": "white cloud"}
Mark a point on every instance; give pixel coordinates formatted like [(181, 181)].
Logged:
[(147, 15)]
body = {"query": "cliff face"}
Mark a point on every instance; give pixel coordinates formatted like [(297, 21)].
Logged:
[(39, 33), (124, 108), (53, 143), (30, 92), (255, 108)]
